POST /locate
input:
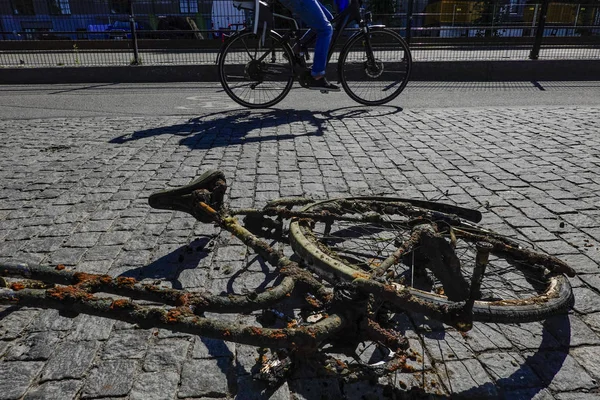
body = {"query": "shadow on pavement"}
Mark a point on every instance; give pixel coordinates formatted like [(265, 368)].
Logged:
[(235, 127), (170, 266), (522, 381), (248, 126)]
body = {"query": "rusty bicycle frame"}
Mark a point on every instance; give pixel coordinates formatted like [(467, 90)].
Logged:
[(347, 306)]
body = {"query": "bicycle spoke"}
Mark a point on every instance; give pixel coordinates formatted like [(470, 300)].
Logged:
[(511, 279), (267, 75), (376, 71)]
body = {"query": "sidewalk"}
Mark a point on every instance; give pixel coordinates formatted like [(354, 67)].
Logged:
[(453, 70), (74, 191)]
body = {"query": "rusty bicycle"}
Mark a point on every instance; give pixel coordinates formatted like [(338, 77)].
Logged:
[(356, 260)]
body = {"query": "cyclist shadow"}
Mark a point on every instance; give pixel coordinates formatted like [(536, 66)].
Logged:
[(236, 127), (250, 126)]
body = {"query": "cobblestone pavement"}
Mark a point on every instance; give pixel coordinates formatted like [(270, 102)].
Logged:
[(73, 191)]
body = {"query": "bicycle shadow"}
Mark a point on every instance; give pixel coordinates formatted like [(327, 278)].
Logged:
[(236, 127), (233, 127), (536, 371), (537, 366), (170, 266)]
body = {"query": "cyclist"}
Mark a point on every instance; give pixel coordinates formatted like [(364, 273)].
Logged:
[(317, 17)]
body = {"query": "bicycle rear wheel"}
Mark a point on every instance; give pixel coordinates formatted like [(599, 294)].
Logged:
[(519, 284), (374, 68), (256, 73)]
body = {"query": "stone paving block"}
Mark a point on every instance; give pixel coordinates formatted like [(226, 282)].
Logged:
[(253, 389), (246, 359), (15, 378), (466, 378), (67, 256), (592, 321), (486, 336), (559, 370), (66, 389), (205, 378), (213, 348), (155, 385), (167, 354), (4, 345), (89, 327), (415, 383), (571, 331), (531, 394), (365, 391), (128, 343), (100, 253), (110, 379), (35, 347), (532, 335), (587, 357), (581, 263), (13, 323), (315, 389), (509, 370), (100, 267), (447, 345), (71, 360), (586, 300)]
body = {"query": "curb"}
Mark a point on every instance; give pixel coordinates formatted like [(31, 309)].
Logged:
[(526, 70)]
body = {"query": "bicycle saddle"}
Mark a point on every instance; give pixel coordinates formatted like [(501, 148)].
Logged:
[(208, 187)]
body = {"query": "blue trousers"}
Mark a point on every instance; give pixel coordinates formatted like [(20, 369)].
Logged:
[(317, 17)]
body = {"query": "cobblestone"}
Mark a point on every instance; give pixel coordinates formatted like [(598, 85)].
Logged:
[(74, 192), (110, 379)]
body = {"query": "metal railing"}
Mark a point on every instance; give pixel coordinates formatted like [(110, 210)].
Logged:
[(42, 33)]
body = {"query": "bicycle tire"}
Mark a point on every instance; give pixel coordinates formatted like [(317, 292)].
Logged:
[(550, 294), (391, 72), (253, 73)]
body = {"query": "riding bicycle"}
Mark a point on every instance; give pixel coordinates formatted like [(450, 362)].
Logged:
[(257, 66)]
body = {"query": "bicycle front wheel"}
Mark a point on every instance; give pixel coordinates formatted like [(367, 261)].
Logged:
[(256, 73), (519, 285), (374, 67)]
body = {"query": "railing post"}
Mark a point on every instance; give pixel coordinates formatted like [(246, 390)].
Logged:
[(136, 55), (409, 20), (539, 34)]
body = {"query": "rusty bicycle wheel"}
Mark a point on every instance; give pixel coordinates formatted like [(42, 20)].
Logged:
[(360, 234)]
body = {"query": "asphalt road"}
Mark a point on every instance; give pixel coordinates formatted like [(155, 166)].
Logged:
[(80, 100)]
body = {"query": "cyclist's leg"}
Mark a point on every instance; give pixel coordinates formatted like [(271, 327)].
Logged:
[(317, 17)]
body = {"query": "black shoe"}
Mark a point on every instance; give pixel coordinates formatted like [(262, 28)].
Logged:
[(322, 84)]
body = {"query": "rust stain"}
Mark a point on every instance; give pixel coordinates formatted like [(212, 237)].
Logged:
[(93, 279), (183, 300), (121, 281), (69, 292), (17, 286), (360, 275), (121, 304), (256, 331), (173, 316), (60, 267), (278, 335)]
